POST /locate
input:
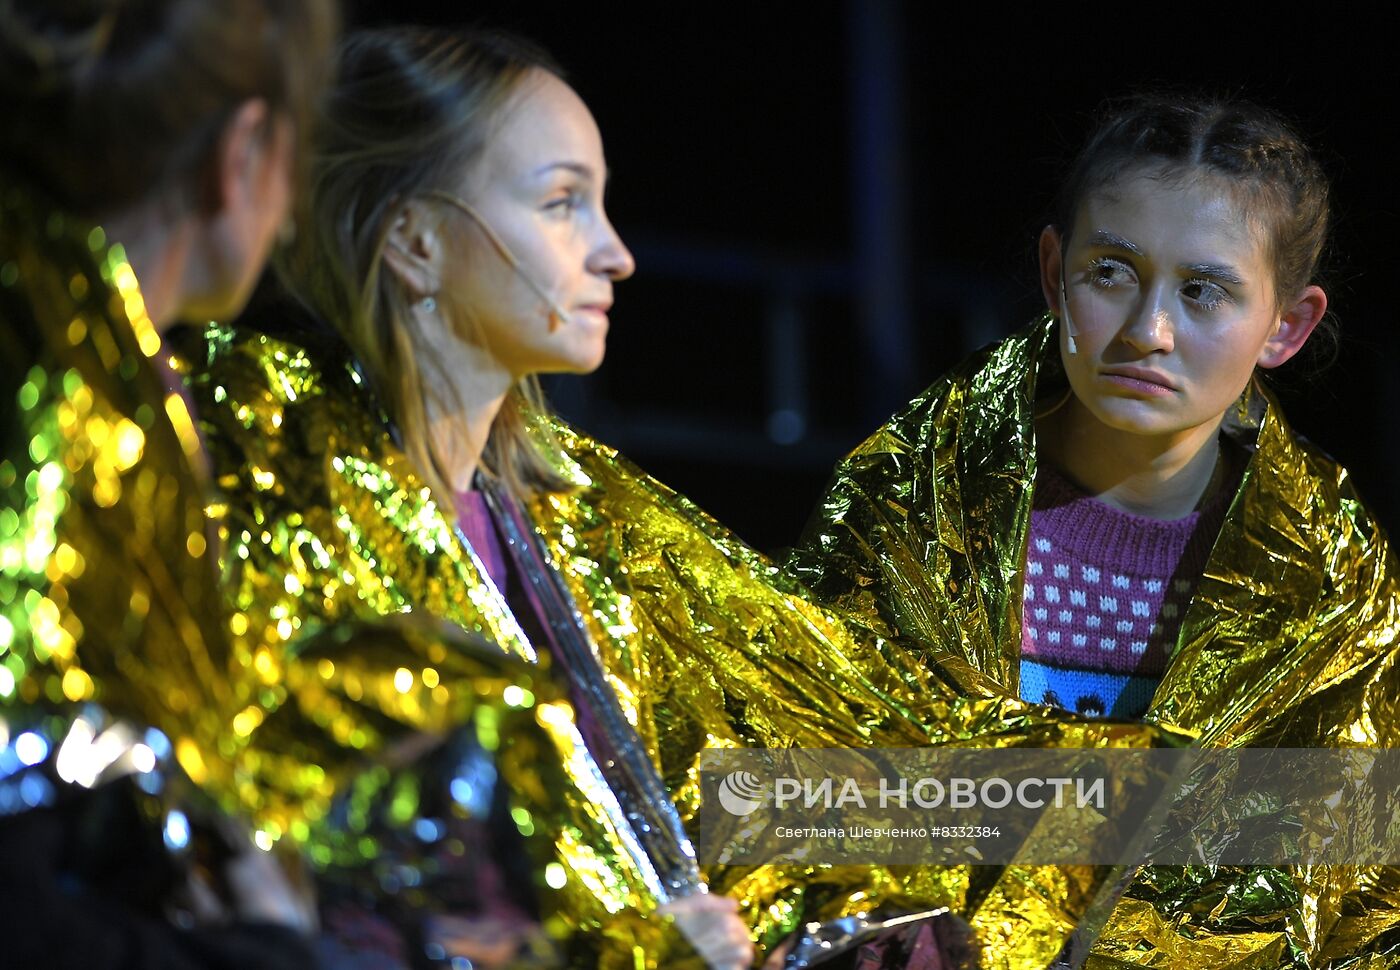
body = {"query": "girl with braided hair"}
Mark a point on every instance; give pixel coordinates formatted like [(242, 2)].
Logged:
[(1108, 512)]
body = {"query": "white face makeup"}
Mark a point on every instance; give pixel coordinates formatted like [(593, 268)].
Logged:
[(1172, 302), (538, 186)]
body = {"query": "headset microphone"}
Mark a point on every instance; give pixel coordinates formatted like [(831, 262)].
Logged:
[(554, 308), (1064, 313)]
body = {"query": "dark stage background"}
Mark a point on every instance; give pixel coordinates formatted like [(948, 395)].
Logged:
[(830, 203)]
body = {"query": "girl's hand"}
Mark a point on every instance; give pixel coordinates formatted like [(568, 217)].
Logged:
[(712, 925)]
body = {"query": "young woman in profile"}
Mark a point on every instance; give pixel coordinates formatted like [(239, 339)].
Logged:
[(451, 307), (1108, 512), (147, 160)]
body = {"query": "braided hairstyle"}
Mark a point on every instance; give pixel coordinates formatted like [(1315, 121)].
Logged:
[(1276, 179)]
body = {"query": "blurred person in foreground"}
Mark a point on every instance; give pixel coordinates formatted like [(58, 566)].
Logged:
[(147, 161)]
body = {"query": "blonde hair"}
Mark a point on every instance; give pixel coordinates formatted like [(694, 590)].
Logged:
[(411, 108)]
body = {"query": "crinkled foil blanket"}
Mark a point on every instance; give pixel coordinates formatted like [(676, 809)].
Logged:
[(1289, 641)]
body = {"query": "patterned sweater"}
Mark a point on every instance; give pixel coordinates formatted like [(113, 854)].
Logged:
[(1104, 596)]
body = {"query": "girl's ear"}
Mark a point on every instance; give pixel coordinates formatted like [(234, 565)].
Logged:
[(414, 249), (1294, 327), (1050, 267)]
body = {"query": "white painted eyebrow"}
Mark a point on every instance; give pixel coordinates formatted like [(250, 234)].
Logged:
[(1111, 240), (1217, 271)]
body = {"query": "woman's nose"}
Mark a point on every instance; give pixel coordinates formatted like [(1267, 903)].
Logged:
[(611, 257), (1150, 328)]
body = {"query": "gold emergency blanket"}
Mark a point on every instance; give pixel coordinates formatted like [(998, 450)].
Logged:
[(109, 590), (1290, 640), (109, 593), (705, 642)]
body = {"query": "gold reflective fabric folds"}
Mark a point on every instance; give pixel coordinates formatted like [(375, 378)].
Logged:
[(1289, 641), (737, 651), (109, 592), (324, 523), (107, 581), (705, 642)]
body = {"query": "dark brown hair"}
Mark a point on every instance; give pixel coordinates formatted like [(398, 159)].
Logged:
[(410, 110), (112, 101), (1277, 179)]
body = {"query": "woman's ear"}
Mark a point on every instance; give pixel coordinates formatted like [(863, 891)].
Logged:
[(414, 248), (1050, 267), (239, 160), (242, 195), (1294, 327)]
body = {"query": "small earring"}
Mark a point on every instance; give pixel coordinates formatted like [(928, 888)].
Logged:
[(428, 304)]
